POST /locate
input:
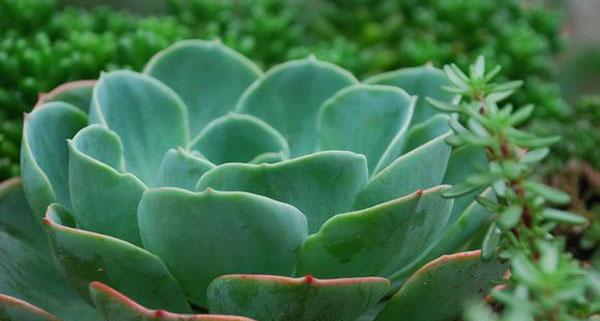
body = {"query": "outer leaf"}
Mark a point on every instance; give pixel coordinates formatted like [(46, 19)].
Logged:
[(424, 81), (288, 97), (474, 220), (17, 220), (201, 236), (26, 268), (266, 297), (30, 276), (182, 169), (207, 75), (422, 168), (86, 256), (364, 119), (320, 185), (114, 306), (129, 103), (13, 309), (380, 240), (44, 154), (95, 184), (238, 138), (439, 290), (77, 93)]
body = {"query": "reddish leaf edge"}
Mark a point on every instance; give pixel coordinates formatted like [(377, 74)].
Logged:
[(43, 97), (307, 279), (24, 305), (6, 186), (159, 314)]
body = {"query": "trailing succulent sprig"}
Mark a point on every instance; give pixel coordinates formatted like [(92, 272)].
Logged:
[(545, 283), (203, 185)]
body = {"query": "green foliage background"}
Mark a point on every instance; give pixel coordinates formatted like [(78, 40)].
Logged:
[(42, 45)]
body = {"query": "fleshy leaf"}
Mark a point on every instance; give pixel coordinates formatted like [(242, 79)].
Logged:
[(17, 220), (238, 138), (77, 93), (148, 116), (422, 168), (440, 289), (44, 154), (463, 163), (201, 236), (380, 240), (424, 81), (27, 275), (456, 236), (414, 137), (425, 131), (364, 119), (207, 75), (13, 309), (268, 158), (26, 268), (289, 96), (86, 256), (115, 306), (180, 168), (267, 297), (320, 185), (94, 184)]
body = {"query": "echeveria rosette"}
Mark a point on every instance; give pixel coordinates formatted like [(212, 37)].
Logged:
[(298, 194)]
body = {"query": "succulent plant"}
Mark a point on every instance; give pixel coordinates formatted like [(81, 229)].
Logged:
[(203, 185)]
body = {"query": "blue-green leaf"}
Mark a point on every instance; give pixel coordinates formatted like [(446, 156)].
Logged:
[(44, 154), (364, 119), (320, 185), (238, 138), (207, 75), (180, 168), (289, 95), (201, 236), (148, 116)]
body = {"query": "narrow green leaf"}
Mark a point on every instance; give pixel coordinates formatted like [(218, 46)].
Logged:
[(563, 216), (553, 195), (535, 155), (490, 243), (521, 115)]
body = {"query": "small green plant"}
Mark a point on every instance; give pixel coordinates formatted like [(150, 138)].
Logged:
[(203, 185), (545, 282)]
